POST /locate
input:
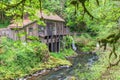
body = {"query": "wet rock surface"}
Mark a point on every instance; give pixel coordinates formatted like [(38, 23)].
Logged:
[(81, 62)]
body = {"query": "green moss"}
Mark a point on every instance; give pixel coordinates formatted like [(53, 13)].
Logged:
[(18, 59), (63, 54)]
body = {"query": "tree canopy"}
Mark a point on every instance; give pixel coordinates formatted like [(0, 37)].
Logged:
[(98, 17)]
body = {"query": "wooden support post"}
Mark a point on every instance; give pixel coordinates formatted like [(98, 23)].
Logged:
[(59, 44), (52, 43), (62, 28), (25, 34), (62, 43), (55, 43), (47, 39), (47, 42), (18, 34), (55, 46), (15, 35)]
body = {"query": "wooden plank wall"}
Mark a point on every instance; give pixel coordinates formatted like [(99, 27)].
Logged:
[(52, 40)]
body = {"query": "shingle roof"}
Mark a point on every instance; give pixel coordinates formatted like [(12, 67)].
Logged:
[(20, 24), (50, 16)]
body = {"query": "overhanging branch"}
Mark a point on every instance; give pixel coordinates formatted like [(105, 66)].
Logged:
[(12, 5)]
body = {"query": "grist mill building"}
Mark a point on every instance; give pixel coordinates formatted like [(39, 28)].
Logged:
[(51, 34)]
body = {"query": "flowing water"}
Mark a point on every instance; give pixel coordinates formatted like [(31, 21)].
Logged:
[(81, 64), (73, 45)]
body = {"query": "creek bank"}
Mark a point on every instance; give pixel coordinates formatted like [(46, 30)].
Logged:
[(45, 72), (81, 64), (48, 70)]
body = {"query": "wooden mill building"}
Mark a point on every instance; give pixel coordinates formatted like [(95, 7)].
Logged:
[(51, 34)]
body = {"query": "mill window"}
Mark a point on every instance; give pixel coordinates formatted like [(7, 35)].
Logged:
[(30, 29)]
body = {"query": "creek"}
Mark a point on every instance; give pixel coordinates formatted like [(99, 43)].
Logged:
[(81, 64)]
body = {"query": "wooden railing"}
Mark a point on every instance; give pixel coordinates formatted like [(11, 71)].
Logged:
[(65, 31), (49, 40)]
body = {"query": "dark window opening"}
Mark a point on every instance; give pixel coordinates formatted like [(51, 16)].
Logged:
[(50, 47), (41, 29), (30, 29)]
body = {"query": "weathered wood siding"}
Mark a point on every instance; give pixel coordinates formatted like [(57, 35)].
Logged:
[(51, 34), (32, 30), (53, 28), (20, 34)]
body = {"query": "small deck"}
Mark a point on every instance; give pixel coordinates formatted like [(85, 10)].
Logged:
[(53, 33)]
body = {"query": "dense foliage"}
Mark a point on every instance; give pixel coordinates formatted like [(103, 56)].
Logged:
[(67, 42), (85, 43), (18, 59), (94, 20)]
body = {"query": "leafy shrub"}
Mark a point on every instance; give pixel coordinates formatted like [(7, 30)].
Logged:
[(20, 58), (63, 54), (67, 41), (42, 52), (85, 43), (33, 38)]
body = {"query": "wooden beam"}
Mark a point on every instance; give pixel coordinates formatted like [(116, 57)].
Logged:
[(59, 44), (52, 43), (47, 42), (55, 43), (62, 27), (25, 30), (62, 44)]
